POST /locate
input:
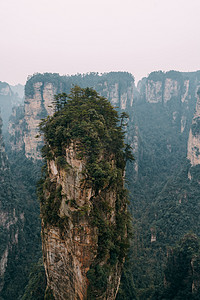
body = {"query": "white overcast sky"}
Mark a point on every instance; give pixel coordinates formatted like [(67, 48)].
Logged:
[(79, 36)]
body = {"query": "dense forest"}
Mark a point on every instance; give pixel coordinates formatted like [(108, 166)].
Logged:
[(163, 259)]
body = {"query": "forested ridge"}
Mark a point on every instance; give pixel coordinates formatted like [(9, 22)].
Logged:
[(163, 260)]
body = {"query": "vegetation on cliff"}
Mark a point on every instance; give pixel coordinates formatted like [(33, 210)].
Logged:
[(165, 189), (182, 272), (164, 200), (21, 196), (95, 80), (36, 286), (19, 224), (97, 132)]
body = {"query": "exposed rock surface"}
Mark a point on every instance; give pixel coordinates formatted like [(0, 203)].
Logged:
[(154, 91), (119, 88), (178, 93), (171, 89), (194, 137), (15, 129), (161, 91), (68, 256), (174, 96), (36, 108), (69, 253), (83, 199)]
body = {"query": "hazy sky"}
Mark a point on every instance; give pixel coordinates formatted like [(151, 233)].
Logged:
[(79, 36)]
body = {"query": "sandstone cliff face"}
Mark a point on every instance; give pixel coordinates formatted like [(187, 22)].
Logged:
[(38, 102), (83, 199), (171, 89), (8, 216), (15, 129), (154, 91), (68, 256), (175, 91), (165, 88), (70, 251), (193, 153), (36, 108), (162, 91), (123, 99)]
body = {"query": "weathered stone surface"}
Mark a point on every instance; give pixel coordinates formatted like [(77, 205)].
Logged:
[(36, 108), (186, 91), (154, 91), (193, 150), (69, 253), (40, 105), (171, 89), (15, 129)]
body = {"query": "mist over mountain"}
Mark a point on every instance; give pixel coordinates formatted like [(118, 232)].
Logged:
[(18, 89), (10, 96)]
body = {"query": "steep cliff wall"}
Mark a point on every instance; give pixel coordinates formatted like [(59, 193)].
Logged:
[(40, 89), (6, 102), (16, 129), (8, 99), (193, 153), (171, 98), (37, 106), (165, 202), (9, 217), (70, 253), (83, 201)]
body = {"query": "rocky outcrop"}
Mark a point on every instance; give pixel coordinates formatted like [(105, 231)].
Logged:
[(171, 89), (83, 202), (154, 91), (175, 91), (162, 89), (68, 256), (193, 153), (118, 87), (185, 94), (36, 108), (121, 98), (8, 99), (70, 252), (16, 129)]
